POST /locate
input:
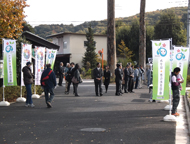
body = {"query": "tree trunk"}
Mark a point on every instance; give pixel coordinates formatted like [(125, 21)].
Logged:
[(111, 42), (142, 36)]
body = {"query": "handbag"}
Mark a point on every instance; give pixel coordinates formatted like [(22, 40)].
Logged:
[(74, 80)]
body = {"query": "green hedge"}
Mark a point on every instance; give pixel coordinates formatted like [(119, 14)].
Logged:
[(13, 92)]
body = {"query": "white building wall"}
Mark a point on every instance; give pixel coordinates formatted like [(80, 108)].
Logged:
[(66, 38), (78, 49)]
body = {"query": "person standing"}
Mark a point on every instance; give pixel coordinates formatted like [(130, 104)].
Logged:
[(98, 79), (118, 79), (76, 76), (175, 90), (141, 76), (136, 76), (107, 78), (66, 77), (61, 74), (72, 65), (131, 81), (148, 74), (28, 80), (48, 82), (126, 78)]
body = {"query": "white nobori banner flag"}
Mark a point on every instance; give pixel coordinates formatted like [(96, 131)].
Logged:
[(39, 63)]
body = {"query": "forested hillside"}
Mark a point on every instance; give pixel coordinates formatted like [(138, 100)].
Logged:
[(100, 26)]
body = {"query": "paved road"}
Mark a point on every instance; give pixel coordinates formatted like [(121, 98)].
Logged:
[(129, 119)]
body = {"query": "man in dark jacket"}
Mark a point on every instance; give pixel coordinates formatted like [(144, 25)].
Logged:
[(126, 72), (70, 76), (98, 73), (61, 74), (118, 79), (48, 82), (28, 80)]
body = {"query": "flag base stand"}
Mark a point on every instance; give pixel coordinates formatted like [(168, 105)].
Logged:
[(162, 101), (168, 107), (171, 118), (21, 99), (35, 96), (4, 103)]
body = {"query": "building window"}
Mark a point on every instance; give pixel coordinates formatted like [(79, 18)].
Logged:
[(64, 45), (86, 42)]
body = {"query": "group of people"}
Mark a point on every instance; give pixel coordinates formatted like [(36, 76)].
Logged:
[(128, 78)]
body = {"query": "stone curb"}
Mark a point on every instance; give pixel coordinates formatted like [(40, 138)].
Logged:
[(187, 109)]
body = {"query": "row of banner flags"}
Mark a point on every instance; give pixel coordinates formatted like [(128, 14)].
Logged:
[(164, 62), (9, 61)]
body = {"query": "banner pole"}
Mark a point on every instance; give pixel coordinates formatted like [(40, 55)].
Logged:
[(170, 117), (21, 99), (3, 103), (170, 84)]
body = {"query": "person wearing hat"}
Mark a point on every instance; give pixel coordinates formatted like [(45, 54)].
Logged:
[(98, 73), (28, 80), (118, 80)]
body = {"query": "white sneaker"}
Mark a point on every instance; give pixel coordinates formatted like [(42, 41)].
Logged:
[(27, 105), (32, 105)]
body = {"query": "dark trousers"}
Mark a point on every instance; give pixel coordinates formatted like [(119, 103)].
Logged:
[(75, 87), (98, 85), (106, 87), (131, 84), (60, 79), (47, 91), (137, 82), (126, 85), (68, 86), (29, 94), (176, 98), (118, 87)]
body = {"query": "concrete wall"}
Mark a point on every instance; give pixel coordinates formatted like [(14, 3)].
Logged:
[(75, 46)]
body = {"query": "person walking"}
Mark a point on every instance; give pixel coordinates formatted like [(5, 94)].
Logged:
[(126, 78), (107, 78), (175, 90), (76, 79), (28, 80), (98, 79), (123, 80), (70, 76), (118, 79), (48, 82), (61, 74), (66, 77)]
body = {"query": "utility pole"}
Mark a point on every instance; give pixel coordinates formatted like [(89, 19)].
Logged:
[(188, 24), (142, 36), (111, 42)]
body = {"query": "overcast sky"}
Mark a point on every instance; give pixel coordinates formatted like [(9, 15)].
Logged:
[(78, 11)]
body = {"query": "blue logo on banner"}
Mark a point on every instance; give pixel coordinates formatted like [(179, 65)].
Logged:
[(162, 51), (9, 48)]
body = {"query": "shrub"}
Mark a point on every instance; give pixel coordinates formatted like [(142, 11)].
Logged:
[(13, 92)]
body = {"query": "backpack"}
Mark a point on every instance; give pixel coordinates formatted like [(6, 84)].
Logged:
[(46, 78)]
